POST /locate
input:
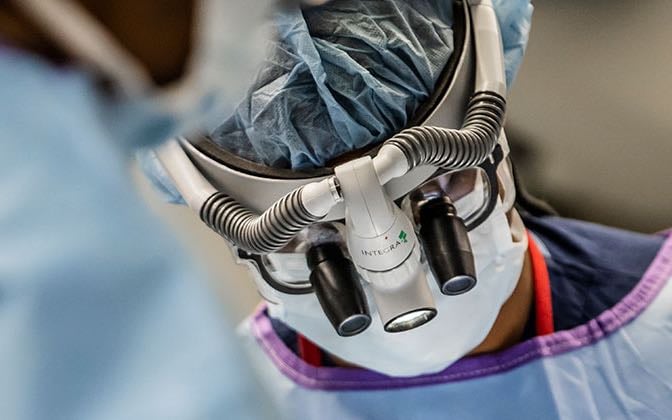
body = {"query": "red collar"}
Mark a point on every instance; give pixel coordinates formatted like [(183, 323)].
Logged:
[(308, 351), (543, 305)]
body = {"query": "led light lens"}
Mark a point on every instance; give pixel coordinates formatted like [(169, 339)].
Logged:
[(410, 320), (402, 295)]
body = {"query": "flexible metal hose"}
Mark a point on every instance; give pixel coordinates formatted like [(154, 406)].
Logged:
[(259, 234), (452, 148)]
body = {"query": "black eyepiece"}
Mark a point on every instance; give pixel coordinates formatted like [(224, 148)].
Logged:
[(447, 247), (337, 286)]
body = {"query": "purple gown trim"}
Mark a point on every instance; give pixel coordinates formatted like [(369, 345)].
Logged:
[(339, 378)]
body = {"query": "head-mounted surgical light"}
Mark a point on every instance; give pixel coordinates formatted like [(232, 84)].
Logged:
[(383, 244), (358, 200)]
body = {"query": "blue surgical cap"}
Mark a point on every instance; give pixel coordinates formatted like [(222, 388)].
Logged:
[(349, 74)]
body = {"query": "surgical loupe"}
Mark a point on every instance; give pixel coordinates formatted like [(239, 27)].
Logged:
[(381, 218)]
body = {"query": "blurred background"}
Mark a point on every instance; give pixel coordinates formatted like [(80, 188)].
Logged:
[(589, 120), (590, 112)]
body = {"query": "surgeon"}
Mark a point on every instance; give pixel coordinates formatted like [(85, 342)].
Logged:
[(102, 314), (366, 182)]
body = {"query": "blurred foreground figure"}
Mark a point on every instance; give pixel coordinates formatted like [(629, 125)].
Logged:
[(102, 316), (409, 277)]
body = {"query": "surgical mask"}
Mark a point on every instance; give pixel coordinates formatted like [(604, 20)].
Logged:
[(228, 45), (462, 322)]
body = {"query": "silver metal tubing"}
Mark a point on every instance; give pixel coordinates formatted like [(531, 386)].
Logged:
[(259, 234), (456, 148)]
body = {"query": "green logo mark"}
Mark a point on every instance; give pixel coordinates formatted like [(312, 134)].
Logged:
[(402, 236)]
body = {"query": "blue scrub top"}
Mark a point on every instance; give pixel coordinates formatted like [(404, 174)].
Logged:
[(591, 267)]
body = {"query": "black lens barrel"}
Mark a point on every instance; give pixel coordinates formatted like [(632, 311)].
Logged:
[(338, 288), (447, 247)]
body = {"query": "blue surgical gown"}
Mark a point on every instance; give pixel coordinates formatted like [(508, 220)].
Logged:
[(102, 314)]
